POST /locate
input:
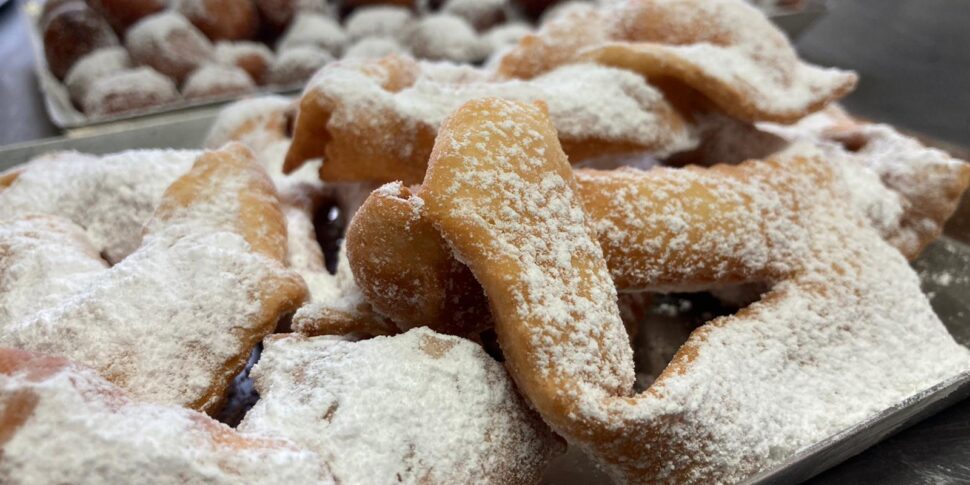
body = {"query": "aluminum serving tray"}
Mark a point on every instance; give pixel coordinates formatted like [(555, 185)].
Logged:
[(944, 268)]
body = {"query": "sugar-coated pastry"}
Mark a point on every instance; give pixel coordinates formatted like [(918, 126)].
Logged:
[(253, 57), (128, 90), (176, 320), (72, 30), (94, 66), (387, 21), (336, 305), (444, 37), (505, 199), (296, 65), (214, 81), (221, 19), (413, 408), (314, 30), (431, 288), (110, 197), (63, 423), (374, 48), (905, 190), (277, 14), (597, 111), (506, 35), (168, 43), (725, 49), (122, 14), (481, 14)]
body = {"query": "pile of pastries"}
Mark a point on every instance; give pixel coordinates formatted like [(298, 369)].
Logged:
[(118, 56), (429, 272)]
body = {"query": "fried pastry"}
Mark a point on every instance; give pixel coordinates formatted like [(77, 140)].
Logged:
[(122, 14), (724, 49), (383, 21), (506, 201), (127, 91), (204, 287), (93, 67), (336, 305), (296, 65), (252, 57), (413, 408), (110, 197), (214, 80), (406, 270), (444, 37), (221, 19), (926, 183), (314, 30), (905, 190), (62, 423), (71, 31), (376, 121), (168, 43), (277, 14)]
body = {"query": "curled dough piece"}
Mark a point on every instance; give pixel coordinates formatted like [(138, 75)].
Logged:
[(926, 183), (377, 120), (49, 406), (725, 49), (905, 190), (204, 287), (505, 200), (335, 306), (406, 270)]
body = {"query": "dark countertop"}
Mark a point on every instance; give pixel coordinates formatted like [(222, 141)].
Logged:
[(913, 57)]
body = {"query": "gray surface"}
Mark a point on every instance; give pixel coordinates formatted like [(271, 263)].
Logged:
[(914, 60)]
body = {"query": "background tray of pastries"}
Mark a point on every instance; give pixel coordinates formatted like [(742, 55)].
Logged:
[(101, 61)]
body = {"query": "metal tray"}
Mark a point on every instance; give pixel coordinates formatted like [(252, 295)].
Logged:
[(944, 269)]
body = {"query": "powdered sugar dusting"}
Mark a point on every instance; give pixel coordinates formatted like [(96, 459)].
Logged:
[(184, 305), (109, 197), (777, 370), (309, 29), (586, 102), (217, 80), (414, 408), (82, 429)]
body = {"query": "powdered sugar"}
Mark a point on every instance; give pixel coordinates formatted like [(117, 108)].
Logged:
[(909, 189), (384, 21), (373, 48), (96, 65), (445, 37), (185, 305), (109, 197), (778, 370), (296, 65), (128, 90), (586, 102), (80, 429), (168, 43), (414, 408), (309, 29), (256, 123), (214, 80)]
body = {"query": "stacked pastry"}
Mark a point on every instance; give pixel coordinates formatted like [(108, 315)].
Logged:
[(507, 228)]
